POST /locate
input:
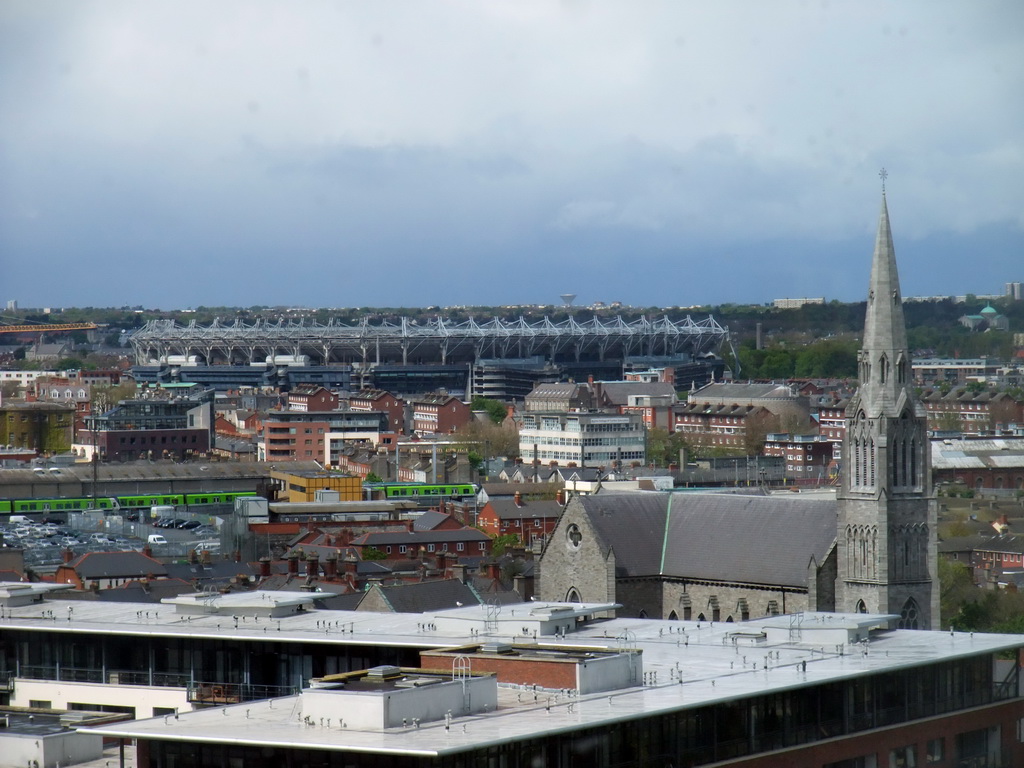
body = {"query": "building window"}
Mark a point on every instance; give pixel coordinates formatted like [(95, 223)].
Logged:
[(460, 546), (573, 536), (902, 757), (401, 549), (936, 750)]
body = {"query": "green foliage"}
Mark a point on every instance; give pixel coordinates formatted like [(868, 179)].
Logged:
[(663, 447), (372, 553), (829, 358), (70, 364), (966, 608), (495, 409), (499, 544), (372, 477)]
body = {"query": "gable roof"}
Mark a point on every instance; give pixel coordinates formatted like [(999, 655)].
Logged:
[(416, 538), (424, 596), (618, 392), (737, 538), (430, 520), (506, 509), (114, 565)]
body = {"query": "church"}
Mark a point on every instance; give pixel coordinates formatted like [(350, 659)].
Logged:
[(730, 557)]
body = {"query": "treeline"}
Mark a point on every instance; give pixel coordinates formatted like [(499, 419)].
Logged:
[(830, 358)]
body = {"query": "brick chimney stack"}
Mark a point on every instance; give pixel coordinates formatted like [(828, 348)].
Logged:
[(293, 563), (331, 566), (518, 499), (313, 565), (264, 567), (67, 555)]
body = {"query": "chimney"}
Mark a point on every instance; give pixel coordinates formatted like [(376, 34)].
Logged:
[(518, 498), (442, 561), (409, 524), (264, 567), (494, 571), (147, 551), (350, 565), (459, 571), (331, 566), (205, 558), (193, 557), (68, 555), (293, 563), (560, 497), (523, 585), (312, 566)]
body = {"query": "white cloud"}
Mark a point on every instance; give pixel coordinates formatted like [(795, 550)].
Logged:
[(729, 120)]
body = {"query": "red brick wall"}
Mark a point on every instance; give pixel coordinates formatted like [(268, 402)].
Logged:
[(509, 669)]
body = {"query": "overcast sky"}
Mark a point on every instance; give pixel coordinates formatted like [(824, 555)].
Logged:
[(186, 153)]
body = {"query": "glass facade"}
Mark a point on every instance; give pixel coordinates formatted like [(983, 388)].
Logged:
[(691, 737)]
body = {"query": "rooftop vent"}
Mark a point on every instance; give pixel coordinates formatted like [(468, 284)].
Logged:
[(383, 672), (496, 648)]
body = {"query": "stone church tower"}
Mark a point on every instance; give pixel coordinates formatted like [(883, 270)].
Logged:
[(886, 538)]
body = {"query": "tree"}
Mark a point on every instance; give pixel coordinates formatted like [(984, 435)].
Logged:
[(489, 439), (496, 410), (105, 398), (372, 553), (663, 446), (372, 477), (499, 544)]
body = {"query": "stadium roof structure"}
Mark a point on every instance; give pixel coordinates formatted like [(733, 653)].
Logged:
[(437, 340)]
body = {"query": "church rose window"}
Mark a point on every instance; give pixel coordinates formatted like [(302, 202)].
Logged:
[(574, 536)]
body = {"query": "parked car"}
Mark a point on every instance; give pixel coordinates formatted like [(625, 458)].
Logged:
[(190, 525)]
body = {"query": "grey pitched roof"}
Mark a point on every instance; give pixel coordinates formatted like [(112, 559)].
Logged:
[(618, 392), (429, 520), (736, 538), (506, 509), (215, 569), (417, 538), (428, 596), (114, 565)]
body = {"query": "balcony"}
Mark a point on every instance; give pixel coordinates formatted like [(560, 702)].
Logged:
[(234, 693), (198, 692)]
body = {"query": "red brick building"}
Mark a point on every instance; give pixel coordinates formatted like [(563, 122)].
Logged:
[(312, 397), (383, 401), (528, 520), (972, 412), (439, 414), (807, 456)]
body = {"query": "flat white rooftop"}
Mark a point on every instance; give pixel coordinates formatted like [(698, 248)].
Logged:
[(686, 665)]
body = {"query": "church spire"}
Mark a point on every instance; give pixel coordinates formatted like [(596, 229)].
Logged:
[(884, 358), (886, 546)]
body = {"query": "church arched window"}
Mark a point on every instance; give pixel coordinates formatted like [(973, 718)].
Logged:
[(861, 607), (909, 615), (573, 596)]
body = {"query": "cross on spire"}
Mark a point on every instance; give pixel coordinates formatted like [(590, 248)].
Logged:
[(883, 175)]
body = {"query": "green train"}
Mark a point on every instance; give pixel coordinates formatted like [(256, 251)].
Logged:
[(426, 491), (136, 501)]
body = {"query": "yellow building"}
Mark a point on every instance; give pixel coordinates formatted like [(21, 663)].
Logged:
[(302, 486)]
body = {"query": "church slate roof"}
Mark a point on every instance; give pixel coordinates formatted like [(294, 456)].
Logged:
[(719, 537)]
